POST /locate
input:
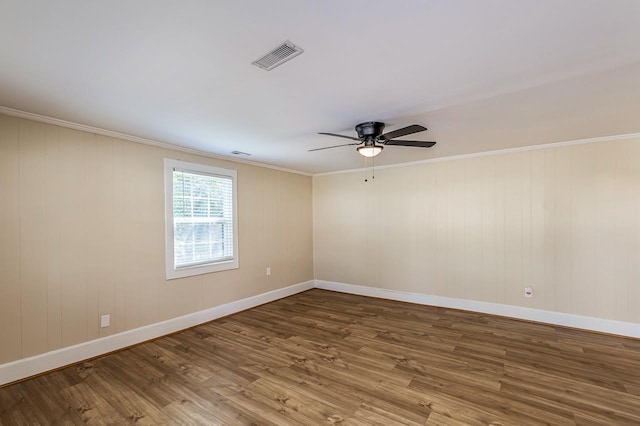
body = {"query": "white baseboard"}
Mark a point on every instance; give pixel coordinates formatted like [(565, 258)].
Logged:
[(27, 367), (620, 328)]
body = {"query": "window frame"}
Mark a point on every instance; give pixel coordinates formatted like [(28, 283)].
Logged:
[(171, 271)]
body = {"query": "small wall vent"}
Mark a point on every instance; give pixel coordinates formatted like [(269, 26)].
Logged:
[(278, 56)]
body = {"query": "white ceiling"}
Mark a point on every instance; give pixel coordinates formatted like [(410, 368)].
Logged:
[(481, 75)]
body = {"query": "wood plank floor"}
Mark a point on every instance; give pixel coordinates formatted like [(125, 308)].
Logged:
[(321, 357)]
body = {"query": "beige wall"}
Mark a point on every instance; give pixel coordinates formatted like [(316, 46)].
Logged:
[(82, 235), (564, 220)]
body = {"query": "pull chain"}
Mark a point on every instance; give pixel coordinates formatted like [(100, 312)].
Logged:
[(373, 168), (366, 160)]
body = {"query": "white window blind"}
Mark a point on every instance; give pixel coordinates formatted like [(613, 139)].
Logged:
[(201, 219)]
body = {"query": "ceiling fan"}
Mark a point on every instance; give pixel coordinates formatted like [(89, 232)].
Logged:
[(372, 140)]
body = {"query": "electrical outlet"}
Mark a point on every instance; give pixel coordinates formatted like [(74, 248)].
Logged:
[(528, 292), (268, 271), (105, 321)]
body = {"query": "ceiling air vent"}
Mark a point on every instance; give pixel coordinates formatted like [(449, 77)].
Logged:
[(278, 56)]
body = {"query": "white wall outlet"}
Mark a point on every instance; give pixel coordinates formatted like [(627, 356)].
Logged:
[(105, 321), (528, 292), (268, 271)]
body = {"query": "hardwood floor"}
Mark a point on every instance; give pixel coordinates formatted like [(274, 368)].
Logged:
[(321, 357)]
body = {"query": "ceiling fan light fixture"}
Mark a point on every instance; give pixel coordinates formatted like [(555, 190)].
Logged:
[(370, 150)]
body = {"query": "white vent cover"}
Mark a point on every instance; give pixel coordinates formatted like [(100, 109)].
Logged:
[(278, 56)]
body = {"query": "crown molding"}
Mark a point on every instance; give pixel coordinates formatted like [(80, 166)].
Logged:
[(164, 145), (493, 152)]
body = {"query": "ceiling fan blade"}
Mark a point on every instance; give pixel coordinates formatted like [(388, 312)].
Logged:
[(334, 146), (414, 128), (339, 136), (419, 144)]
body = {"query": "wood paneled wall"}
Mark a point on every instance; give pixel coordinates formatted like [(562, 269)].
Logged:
[(82, 235), (563, 220)]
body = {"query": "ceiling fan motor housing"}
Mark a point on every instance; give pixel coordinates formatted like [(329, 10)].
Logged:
[(370, 129)]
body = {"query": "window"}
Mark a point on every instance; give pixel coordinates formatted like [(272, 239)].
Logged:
[(201, 219)]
